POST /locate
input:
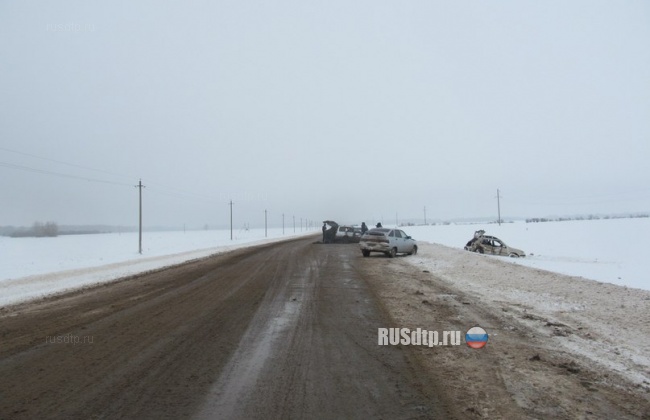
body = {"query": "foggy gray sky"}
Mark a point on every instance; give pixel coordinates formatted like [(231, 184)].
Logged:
[(351, 111)]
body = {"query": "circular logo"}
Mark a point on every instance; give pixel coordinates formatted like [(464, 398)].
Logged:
[(476, 337)]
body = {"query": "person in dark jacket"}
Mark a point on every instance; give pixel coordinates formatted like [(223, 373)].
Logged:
[(364, 228), (324, 229), (379, 225)]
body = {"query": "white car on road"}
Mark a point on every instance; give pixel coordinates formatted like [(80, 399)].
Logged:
[(388, 241)]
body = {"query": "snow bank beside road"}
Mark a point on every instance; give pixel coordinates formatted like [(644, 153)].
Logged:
[(611, 250), (37, 267)]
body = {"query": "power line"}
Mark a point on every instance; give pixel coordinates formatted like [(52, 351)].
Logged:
[(153, 188), (44, 172), (174, 192), (182, 194), (64, 163)]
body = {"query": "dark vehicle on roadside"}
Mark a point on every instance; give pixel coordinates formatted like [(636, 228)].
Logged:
[(387, 241)]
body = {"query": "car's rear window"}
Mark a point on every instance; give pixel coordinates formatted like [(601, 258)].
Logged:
[(378, 232)]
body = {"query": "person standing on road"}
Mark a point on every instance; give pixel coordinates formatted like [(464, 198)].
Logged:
[(324, 229), (364, 228)]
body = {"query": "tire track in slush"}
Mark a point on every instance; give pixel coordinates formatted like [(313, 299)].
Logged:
[(311, 351), (278, 314)]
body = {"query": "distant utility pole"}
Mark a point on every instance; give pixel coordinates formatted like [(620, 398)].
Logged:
[(294, 224), (498, 208), (425, 215), (140, 187), (231, 220), (265, 225), (301, 224), (396, 221)]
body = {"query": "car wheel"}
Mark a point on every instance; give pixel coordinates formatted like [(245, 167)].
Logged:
[(414, 251), (513, 255), (393, 253), (480, 250), (365, 252)]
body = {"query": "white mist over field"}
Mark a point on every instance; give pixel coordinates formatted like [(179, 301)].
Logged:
[(300, 107)]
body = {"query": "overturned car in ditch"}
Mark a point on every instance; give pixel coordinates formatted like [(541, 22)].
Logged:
[(486, 244)]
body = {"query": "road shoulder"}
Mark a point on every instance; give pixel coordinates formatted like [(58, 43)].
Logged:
[(559, 346)]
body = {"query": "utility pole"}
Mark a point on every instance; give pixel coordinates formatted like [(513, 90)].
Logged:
[(498, 208), (425, 215), (140, 187), (265, 226), (231, 220), (301, 224)]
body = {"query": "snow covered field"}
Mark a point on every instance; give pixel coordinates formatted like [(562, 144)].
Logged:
[(36, 267), (611, 251)]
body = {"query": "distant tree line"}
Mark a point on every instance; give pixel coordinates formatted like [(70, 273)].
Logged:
[(38, 230), (589, 217)]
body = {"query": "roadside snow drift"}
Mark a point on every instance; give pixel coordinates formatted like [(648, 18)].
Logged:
[(607, 250), (37, 267)]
